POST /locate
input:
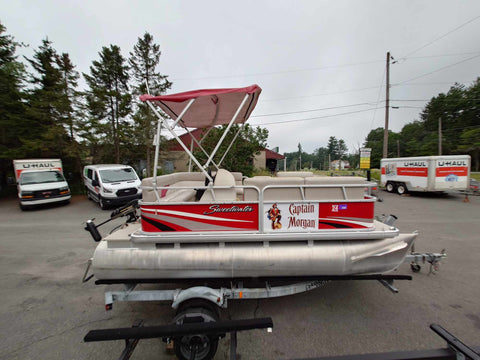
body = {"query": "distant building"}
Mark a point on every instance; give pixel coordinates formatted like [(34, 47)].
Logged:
[(176, 159), (339, 165)]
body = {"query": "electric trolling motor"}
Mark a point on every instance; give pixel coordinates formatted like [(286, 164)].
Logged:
[(130, 210)]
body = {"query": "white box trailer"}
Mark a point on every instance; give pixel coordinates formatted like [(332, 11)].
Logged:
[(40, 181), (426, 173)]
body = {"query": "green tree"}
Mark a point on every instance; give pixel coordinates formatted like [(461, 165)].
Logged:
[(336, 148), (108, 100), (321, 155), (143, 63), (374, 141), (249, 143), (45, 104), (13, 126), (69, 108)]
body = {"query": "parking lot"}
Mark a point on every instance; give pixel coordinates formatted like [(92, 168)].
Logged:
[(46, 310)]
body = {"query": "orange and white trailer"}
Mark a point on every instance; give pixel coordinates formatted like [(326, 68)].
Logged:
[(426, 173)]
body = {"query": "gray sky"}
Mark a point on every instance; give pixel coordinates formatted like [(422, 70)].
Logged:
[(306, 55)]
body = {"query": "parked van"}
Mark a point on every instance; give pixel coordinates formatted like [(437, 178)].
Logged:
[(111, 185), (40, 181)]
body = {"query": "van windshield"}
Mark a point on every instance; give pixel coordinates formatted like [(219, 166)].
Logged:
[(116, 175), (40, 177)]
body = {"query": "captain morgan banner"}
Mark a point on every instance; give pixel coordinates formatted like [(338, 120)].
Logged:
[(290, 216)]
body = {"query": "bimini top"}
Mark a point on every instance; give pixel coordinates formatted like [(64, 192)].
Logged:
[(210, 107)]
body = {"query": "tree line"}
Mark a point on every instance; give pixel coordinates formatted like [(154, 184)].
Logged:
[(321, 157), (43, 113), (457, 113)]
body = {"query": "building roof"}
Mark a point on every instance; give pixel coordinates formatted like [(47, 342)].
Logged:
[(269, 154)]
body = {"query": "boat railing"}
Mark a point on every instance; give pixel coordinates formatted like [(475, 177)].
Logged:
[(264, 198)]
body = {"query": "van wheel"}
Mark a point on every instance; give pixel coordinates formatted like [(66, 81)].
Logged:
[(23, 207), (401, 189), (89, 197), (390, 187), (101, 202)]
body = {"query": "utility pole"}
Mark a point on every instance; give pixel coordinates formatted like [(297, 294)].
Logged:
[(398, 148), (387, 107), (439, 136)]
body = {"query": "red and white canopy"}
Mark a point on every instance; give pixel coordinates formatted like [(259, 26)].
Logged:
[(211, 107)]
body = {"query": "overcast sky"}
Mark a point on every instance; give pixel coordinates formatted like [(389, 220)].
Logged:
[(327, 56)]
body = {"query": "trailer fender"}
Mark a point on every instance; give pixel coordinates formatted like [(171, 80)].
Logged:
[(198, 292)]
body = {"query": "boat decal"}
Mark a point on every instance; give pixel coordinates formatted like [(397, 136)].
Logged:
[(193, 216), (343, 223), (201, 224), (335, 225), (156, 224)]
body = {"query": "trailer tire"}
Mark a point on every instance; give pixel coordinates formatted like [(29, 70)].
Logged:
[(207, 345), (401, 189), (390, 187)]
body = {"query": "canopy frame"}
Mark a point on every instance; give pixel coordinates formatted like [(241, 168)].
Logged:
[(184, 103)]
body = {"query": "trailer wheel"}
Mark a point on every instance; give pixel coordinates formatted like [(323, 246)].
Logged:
[(390, 187), (200, 346), (401, 189)]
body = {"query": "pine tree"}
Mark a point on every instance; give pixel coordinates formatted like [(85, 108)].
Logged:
[(108, 99), (12, 110), (143, 63), (69, 107), (45, 104)]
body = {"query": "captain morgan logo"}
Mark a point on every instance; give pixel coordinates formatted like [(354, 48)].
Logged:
[(291, 216)]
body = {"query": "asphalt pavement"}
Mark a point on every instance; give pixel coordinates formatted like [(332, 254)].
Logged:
[(46, 311)]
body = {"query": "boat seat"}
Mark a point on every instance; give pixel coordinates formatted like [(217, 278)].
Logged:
[(274, 194), (193, 179), (222, 178), (334, 193), (302, 174), (238, 182)]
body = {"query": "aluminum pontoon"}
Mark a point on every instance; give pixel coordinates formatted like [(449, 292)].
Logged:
[(203, 225)]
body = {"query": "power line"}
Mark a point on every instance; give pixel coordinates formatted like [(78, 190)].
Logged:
[(281, 71), (315, 118), (424, 84), (442, 36), (442, 55), (431, 99), (378, 97), (437, 70), (320, 109), (324, 94)]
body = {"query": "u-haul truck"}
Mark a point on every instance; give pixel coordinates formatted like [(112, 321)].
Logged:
[(40, 181), (426, 173)]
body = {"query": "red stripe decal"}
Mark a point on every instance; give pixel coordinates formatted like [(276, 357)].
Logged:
[(444, 171), (412, 171)]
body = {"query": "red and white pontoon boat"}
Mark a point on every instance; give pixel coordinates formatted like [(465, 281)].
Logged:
[(195, 225)]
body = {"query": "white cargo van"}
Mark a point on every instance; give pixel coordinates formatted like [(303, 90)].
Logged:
[(111, 184), (426, 173), (40, 181)]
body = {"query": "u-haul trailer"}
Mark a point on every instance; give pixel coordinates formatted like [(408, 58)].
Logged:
[(426, 173)]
